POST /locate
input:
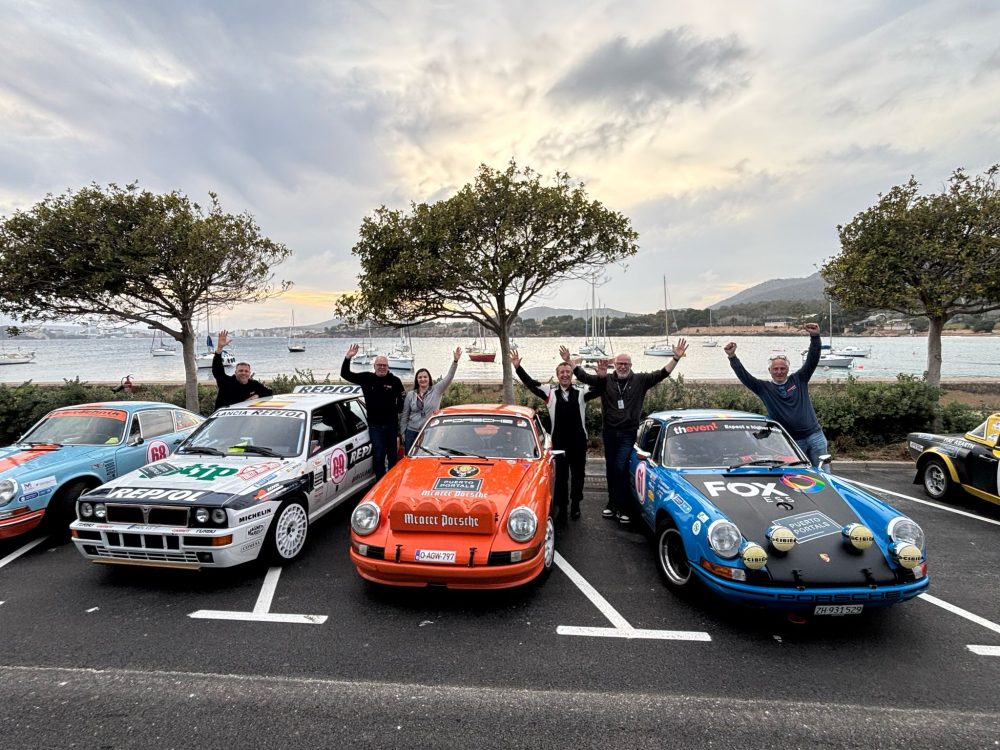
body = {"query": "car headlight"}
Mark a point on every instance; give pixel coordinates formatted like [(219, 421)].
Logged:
[(8, 488), (364, 519), (218, 516), (902, 529), (522, 523), (201, 515), (86, 510), (100, 510), (724, 538)]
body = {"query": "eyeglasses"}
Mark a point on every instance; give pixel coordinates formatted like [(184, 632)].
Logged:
[(623, 364), (779, 358), (381, 367)]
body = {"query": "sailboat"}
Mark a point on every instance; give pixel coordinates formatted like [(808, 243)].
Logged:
[(401, 357), (480, 350), (711, 340), (204, 360), (828, 358), (596, 345), (366, 352), (159, 348), (662, 348), (293, 345)]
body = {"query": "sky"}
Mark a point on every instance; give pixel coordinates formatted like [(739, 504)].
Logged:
[(736, 136)]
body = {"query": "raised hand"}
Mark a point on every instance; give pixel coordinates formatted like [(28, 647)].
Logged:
[(812, 329), (515, 359), (458, 353), (564, 353), (351, 351), (223, 340), (730, 349), (680, 347)]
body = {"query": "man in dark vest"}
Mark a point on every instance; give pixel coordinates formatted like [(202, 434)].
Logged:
[(384, 394)]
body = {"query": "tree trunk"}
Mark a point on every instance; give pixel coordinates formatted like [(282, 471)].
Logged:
[(933, 374), (508, 373), (188, 345)]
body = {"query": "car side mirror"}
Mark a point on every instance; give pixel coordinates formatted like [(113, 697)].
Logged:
[(642, 455), (137, 440), (824, 462), (558, 452)]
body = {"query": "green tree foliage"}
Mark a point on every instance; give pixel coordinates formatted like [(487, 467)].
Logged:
[(932, 255), (132, 255), (483, 253)]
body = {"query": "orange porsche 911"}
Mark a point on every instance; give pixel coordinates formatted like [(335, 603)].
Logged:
[(467, 508)]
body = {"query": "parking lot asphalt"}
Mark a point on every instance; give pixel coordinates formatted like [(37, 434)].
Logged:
[(123, 657)]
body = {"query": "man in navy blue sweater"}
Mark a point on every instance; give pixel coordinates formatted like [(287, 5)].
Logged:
[(786, 397)]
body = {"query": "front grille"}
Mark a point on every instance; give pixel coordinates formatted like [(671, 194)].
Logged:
[(151, 555), (143, 541), (149, 515)]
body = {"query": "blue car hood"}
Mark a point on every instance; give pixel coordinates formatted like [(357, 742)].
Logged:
[(18, 460), (806, 503)]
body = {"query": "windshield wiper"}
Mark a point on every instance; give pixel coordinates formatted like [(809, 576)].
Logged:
[(201, 450), (456, 452), (429, 450), (41, 443), (262, 450), (771, 462)]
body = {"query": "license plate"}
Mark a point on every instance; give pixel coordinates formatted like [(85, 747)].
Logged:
[(838, 609), (434, 555)]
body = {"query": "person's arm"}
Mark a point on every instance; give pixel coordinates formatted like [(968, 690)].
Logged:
[(404, 416), (350, 377), (218, 369), (260, 389), (585, 377), (443, 383), (591, 393), (680, 349), (531, 384), (400, 395), (812, 357), (745, 377)]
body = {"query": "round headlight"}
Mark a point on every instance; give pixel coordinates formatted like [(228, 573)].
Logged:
[(364, 519), (906, 554), (724, 538), (522, 523), (858, 536), (100, 510), (902, 529), (201, 515), (8, 488), (753, 556), (781, 538), (86, 510), (218, 516)]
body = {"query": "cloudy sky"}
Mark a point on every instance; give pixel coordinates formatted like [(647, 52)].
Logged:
[(735, 135)]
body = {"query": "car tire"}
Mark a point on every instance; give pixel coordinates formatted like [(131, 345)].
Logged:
[(61, 510), (937, 480), (548, 551), (672, 560), (287, 536)]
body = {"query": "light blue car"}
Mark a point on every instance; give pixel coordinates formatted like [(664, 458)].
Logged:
[(76, 448)]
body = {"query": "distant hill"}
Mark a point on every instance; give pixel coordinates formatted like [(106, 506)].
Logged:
[(806, 289), (541, 313)]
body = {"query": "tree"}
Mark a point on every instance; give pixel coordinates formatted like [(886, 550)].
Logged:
[(135, 256), (483, 253), (933, 255)]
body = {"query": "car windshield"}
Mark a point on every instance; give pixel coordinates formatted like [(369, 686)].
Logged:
[(268, 432), (726, 443), (483, 435), (80, 427)]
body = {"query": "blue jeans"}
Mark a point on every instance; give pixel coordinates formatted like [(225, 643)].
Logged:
[(813, 446), (617, 451), (408, 438), (383, 447)]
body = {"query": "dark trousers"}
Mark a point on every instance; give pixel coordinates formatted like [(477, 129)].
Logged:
[(570, 470), (383, 447), (409, 438), (617, 451)]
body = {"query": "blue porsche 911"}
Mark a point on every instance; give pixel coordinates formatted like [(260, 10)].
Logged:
[(736, 509)]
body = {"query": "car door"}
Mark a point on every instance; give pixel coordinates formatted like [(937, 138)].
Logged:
[(353, 456), (326, 455), (984, 460), (151, 436)]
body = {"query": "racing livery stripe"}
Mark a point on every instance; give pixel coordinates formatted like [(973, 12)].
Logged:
[(24, 456)]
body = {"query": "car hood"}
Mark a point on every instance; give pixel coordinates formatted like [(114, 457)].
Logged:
[(453, 495), (808, 504), (207, 480), (19, 460)]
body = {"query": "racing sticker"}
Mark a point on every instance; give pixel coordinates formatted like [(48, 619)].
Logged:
[(445, 517), (270, 404), (338, 465), (358, 455), (286, 413), (811, 525), (156, 450), (39, 484), (803, 483), (248, 473), (464, 471), (152, 493), (345, 390), (465, 485), (640, 482), (115, 414), (157, 470), (199, 471)]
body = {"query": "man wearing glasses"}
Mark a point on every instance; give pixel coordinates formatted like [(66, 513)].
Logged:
[(621, 406), (786, 397), (383, 393)]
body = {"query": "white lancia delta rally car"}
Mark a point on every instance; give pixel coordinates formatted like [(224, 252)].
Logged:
[(247, 482)]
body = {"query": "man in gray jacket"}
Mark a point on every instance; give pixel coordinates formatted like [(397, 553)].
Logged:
[(567, 415)]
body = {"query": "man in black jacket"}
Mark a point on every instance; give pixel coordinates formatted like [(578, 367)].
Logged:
[(237, 387), (383, 393)]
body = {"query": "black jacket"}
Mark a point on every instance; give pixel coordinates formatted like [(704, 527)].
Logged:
[(232, 391)]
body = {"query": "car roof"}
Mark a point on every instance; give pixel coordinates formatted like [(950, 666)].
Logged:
[(129, 406), (304, 397), (675, 414), (498, 409)]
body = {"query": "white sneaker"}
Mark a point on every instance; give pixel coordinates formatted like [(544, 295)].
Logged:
[(622, 518)]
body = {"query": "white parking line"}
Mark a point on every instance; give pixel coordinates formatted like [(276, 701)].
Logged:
[(261, 610), (622, 628), (26, 548), (921, 501), (985, 650), (960, 612)]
